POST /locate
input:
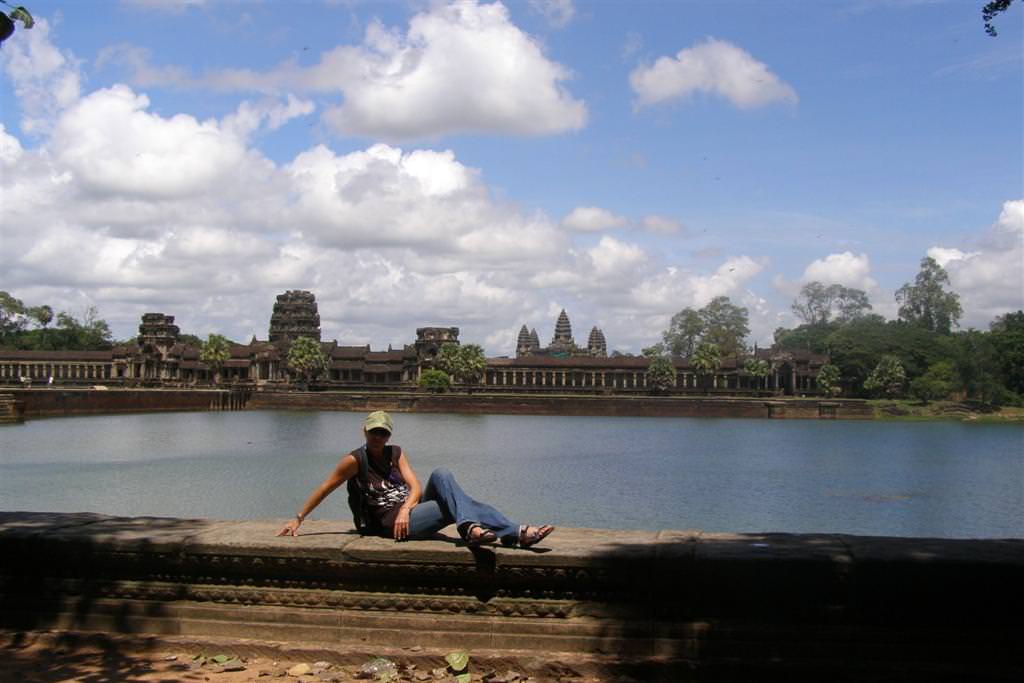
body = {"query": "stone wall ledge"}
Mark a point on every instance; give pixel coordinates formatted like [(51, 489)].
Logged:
[(676, 594)]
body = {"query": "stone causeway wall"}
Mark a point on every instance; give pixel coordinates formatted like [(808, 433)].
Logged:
[(776, 603), (61, 401), (603, 406)]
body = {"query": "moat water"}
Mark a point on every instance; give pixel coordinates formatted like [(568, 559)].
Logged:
[(943, 479)]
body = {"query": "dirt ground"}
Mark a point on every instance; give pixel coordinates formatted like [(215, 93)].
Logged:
[(53, 658)]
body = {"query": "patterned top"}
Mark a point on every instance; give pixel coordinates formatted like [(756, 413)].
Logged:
[(385, 492)]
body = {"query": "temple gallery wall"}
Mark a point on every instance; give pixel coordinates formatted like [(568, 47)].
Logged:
[(159, 358)]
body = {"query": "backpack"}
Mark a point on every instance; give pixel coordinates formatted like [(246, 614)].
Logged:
[(366, 523)]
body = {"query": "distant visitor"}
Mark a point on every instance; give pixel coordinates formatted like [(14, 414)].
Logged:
[(387, 500)]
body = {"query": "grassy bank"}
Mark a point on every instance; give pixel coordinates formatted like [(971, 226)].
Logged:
[(945, 410)]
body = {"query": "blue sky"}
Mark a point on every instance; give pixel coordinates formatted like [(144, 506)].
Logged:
[(485, 165)]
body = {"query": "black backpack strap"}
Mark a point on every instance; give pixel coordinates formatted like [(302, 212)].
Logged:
[(364, 464), (356, 485)]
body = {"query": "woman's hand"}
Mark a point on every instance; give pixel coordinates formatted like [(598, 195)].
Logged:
[(290, 528), (400, 530)]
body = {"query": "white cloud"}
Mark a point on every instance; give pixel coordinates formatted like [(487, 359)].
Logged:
[(557, 12), (592, 219), (462, 67), (115, 147), (612, 257), (661, 225), (989, 279), (944, 255), (847, 269), (716, 67), (10, 147), (727, 280), (45, 79)]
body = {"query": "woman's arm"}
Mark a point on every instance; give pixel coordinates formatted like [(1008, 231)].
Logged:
[(346, 469), (401, 528)]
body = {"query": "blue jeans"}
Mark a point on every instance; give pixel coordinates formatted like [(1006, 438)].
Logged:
[(444, 502)]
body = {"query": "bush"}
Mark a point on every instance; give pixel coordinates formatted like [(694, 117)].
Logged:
[(435, 380), (935, 384)]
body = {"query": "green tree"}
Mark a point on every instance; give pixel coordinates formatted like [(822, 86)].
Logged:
[(935, 384), (90, 334), (857, 347), (683, 334), (306, 359), (720, 322), (434, 380), (805, 337), (817, 304), (1007, 336), (758, 369), (12, 317), (725, 325), (661, 374), (888, 378), (705, 362), (43, 315), (977, 367), (830, 380), (926, 303), (465, 363), (653, 351), (215, 353)]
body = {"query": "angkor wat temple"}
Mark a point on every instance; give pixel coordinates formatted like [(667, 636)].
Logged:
[(159, 358)]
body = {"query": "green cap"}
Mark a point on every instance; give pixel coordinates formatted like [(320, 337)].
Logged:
[(378, 419)]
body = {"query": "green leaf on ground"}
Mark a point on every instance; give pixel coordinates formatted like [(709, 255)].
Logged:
[(457, 660)]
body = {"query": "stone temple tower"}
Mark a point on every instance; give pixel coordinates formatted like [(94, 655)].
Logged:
[(157, 333), (563, 332), (523, 342), (596, 344), (295, 315)]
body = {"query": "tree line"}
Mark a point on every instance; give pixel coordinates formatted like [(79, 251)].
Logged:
[(37, 328), (921, 354)]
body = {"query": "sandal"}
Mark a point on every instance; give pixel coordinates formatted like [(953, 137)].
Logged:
[(532, 535), (475, 535)]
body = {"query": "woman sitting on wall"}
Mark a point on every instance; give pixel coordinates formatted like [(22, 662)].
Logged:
[(387, 500)]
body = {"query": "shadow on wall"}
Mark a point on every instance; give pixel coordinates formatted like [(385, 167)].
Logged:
[(54, 577), (756, 606), (672, 606)]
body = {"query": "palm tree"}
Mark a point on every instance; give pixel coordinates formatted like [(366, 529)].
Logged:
[(306, 359), (705, 361), (758, 369), (215, 352), (661, 374)]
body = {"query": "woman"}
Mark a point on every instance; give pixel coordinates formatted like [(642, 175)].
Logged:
[(387, 500)]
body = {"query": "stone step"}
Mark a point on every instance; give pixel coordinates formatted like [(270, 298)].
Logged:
[(821, 601)]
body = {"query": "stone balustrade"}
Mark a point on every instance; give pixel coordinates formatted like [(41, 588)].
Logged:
[(664, 602)]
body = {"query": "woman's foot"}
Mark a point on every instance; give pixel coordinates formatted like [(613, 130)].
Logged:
[(475, 535), (532, 535)]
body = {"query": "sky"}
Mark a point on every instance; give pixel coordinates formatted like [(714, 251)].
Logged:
[(486, 164)]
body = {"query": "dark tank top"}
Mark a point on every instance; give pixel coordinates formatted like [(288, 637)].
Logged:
[(385, 491)]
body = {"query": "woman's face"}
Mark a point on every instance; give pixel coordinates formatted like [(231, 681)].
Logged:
[(376, 438)]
